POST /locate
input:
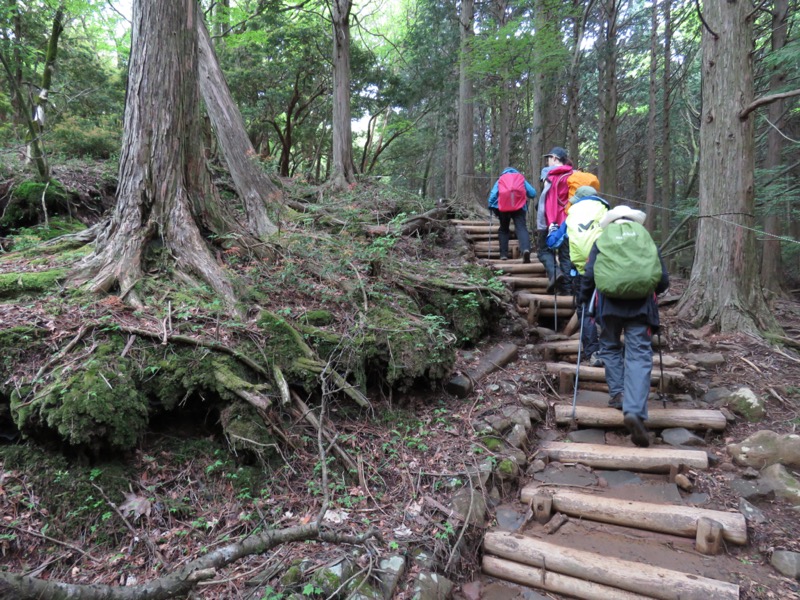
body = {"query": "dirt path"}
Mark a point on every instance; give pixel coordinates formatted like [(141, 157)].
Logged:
[(605, 519)]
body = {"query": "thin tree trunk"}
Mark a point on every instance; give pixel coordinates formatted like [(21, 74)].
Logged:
[(724, 289), (465, 156), (650, 194), (771, 263), (666, 109), (607, 136), (255, 188), (343, 168), (573, 80)]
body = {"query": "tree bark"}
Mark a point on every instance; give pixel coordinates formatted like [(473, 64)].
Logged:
[(465, 156), (255, 188), (771, 264), (343, 168), (650, 193), (666, 131), (724, 288), (608, 98), (164, 194)]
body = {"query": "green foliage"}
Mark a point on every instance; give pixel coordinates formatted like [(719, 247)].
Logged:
[(76, 136)]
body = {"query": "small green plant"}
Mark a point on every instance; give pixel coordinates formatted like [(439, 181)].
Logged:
[(312, 590)]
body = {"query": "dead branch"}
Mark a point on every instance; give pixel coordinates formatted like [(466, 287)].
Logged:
[(177, 583)]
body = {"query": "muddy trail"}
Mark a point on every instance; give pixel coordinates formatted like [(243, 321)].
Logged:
[(697, 514)]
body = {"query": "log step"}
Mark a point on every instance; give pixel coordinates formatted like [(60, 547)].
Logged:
[(646, 460), (638, 578), (672, 519), (658, 418)]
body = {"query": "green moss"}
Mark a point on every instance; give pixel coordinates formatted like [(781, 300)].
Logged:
[(507, 467), (18, 284), (95, 405), (245, 430), (400, 348), (26, 200), (493, 443), (292, 576), (318, 317)]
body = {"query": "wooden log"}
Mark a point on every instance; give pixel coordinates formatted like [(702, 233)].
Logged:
[(673, 519), (658, 418), (573, 325), (548, 299), (518, 281), (518, 268), (640, 578), (547, 311), (494, 244), (479, 228), (533, 313), (469, 222), (648, 460), (542, 504), (710, 533), (553, 582), (671, 377), (499, 356)]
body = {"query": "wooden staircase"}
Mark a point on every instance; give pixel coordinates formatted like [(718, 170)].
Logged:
[(598, 541)]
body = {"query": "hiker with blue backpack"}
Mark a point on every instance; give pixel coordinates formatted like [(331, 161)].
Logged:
[(509, 200), (624, 273)]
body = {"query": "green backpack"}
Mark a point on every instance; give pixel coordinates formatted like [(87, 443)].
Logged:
[(627, 264)]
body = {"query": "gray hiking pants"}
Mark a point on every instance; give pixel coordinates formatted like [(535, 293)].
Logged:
[(628, 366)]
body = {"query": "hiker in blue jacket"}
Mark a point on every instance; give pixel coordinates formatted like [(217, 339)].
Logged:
[(519, 217), (629, 366)]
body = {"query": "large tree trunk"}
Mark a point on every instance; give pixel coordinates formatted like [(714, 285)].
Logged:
[(343, 169), (607, 96), (573, 80), (724, 287), (255, 188), (164, 194), (771, 264), (465, 157)]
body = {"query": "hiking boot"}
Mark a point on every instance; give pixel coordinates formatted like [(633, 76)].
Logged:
[(595, 360), (552, 282), (526, 257), (637, 430), (503, 257), (616, 402)]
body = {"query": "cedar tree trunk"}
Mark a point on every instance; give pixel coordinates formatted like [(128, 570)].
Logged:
[(164, 196), (724, 289)]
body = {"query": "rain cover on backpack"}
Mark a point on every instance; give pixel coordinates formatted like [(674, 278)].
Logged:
[(627, 264), (511, 193)]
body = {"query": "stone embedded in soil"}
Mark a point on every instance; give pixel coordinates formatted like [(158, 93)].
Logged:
[(697, 499), (744, 402), (467, 501), (717, 396), (566, 476), (787, 563), (431, 586), (706, 360), (751, 490), (392, 569), (508, 518), (765, 448), (617, 478), (680, 436), (587, 436), (751, 513), (782, 482)]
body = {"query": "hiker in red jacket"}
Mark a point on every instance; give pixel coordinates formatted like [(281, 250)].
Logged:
[(551, 215)]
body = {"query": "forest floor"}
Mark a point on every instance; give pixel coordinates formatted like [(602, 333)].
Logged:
[(182, 493)]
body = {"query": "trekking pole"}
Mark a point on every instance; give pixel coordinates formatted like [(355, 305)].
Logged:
[(490, 234), (555, 294), (578, 368), (661, 366)]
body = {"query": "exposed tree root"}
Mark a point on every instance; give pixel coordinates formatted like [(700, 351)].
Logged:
[(177, 583)]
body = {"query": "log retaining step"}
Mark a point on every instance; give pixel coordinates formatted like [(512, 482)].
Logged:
[(646, 460), (639, 578), (658, 418), (664, 518)]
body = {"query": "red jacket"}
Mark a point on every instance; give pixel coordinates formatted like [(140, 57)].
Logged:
[(555, 203)]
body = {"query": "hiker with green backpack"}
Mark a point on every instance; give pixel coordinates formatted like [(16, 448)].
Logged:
[(624, 273)]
